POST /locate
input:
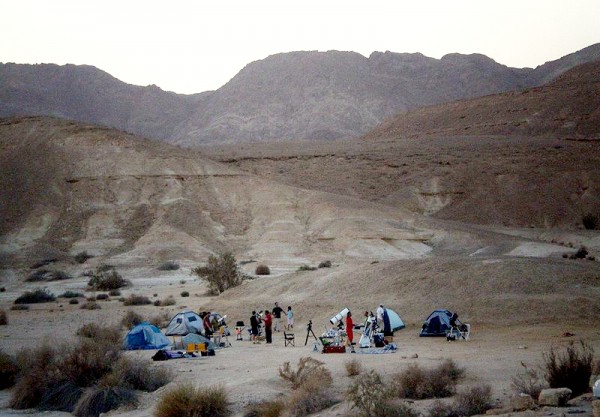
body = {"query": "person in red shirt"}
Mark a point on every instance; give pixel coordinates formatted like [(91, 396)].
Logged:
[(349, 331), (268, 326)]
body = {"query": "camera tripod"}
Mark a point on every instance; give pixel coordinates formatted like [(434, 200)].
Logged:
[(309, 331)]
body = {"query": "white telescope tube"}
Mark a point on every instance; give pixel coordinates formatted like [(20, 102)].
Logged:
[(339, 316)]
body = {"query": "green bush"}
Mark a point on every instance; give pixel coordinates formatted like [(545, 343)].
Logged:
[(571, 369), (220, 273), (186, 400), (106, 280), (37, 296)]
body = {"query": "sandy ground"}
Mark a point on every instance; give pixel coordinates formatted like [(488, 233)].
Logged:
[(492, 356)]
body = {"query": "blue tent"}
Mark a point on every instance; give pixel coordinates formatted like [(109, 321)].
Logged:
[(391, 322), (437, 324), (145, 336)]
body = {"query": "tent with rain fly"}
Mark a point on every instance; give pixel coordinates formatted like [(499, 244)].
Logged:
[(145, 336), (437, 324), (183, 323)]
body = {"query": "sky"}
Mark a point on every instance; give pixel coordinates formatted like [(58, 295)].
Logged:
[(199, 45)]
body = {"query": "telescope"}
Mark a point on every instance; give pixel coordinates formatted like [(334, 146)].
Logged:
[(339, 316)]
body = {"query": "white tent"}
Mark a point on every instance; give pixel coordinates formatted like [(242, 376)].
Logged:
[(184, 323)]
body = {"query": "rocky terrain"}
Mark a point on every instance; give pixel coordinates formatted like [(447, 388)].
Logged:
[(291, 96)]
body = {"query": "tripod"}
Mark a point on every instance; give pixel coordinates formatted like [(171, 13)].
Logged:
[(309, 331)]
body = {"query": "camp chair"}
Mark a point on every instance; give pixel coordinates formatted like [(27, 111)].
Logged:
[(289, 338), (464, 331)]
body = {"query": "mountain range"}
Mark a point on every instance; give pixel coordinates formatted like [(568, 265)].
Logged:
[(288, 96)]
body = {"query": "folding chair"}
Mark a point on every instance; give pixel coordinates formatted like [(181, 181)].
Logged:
[(289, 338)]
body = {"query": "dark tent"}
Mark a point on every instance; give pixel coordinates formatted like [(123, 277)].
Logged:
[(145, 336), (437, 324)]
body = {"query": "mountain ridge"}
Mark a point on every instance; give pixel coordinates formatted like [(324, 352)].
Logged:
[(286, 96)]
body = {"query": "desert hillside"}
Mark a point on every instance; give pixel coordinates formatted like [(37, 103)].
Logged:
[(521, 159), (135, 204), (290, 96)]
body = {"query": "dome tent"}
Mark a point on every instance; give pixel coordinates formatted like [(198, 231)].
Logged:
[(183, 323), (145, 336), (437, 324)]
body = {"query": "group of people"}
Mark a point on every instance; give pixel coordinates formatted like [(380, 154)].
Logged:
[(268, 319)]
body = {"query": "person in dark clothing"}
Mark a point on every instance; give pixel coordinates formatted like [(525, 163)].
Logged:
[(254, 327), (268, 326), (277, 316)]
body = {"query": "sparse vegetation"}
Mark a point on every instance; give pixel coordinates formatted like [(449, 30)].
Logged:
[(106, 279), (325, 264), (185, 293), (82, 257), (19, 307), (169, 301), (418, 383), (101, 399), (108, 334), (101, 297), (43, 262), (3, 318), (70, 294), (169, 266), (160, 320), (73, 301), (262, 269), (265, 409), (353, 367), (571, 369), (369, 395), (581, 253), (131, 319), (136, 300), (36, 296), (220, 273), (306, 268), (47, 275), (114, 293), (473, 401), (590, 221), (530, 381), (307, 367), (2, 289), (8, 370), (186, 400), (90, 305)]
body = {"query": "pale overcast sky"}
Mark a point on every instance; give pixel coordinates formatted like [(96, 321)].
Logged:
[(199, 45)]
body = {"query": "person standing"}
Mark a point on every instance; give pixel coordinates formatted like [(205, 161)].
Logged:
[(268, 326), (254, 327), (379, 313), (349, 331), (290, 318), (277, 316)]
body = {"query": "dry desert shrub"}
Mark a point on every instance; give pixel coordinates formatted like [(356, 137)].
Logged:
[(3, 318), (38, 365), (73, 301), (169, 301), (161, 320), (106, 279), (131, 319), (8, 370), (308, 368), (370, 397), (473, 401), (169, 266), (19, 307), (590, 221), (265, 409), (103, 334), (262, 269), (353, 367), (307, 268), (325, 264), (571, 368), (138, 376), (101, 297), (114, 293), (82, 257), (185, 293), (36, 296), (136, 300), (102, 399), (418, 383), (186, 400), (530, 381), (90, 305), (70, 294), (85, 364)]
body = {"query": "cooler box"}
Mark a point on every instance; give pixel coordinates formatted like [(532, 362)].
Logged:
[(334, 349)]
